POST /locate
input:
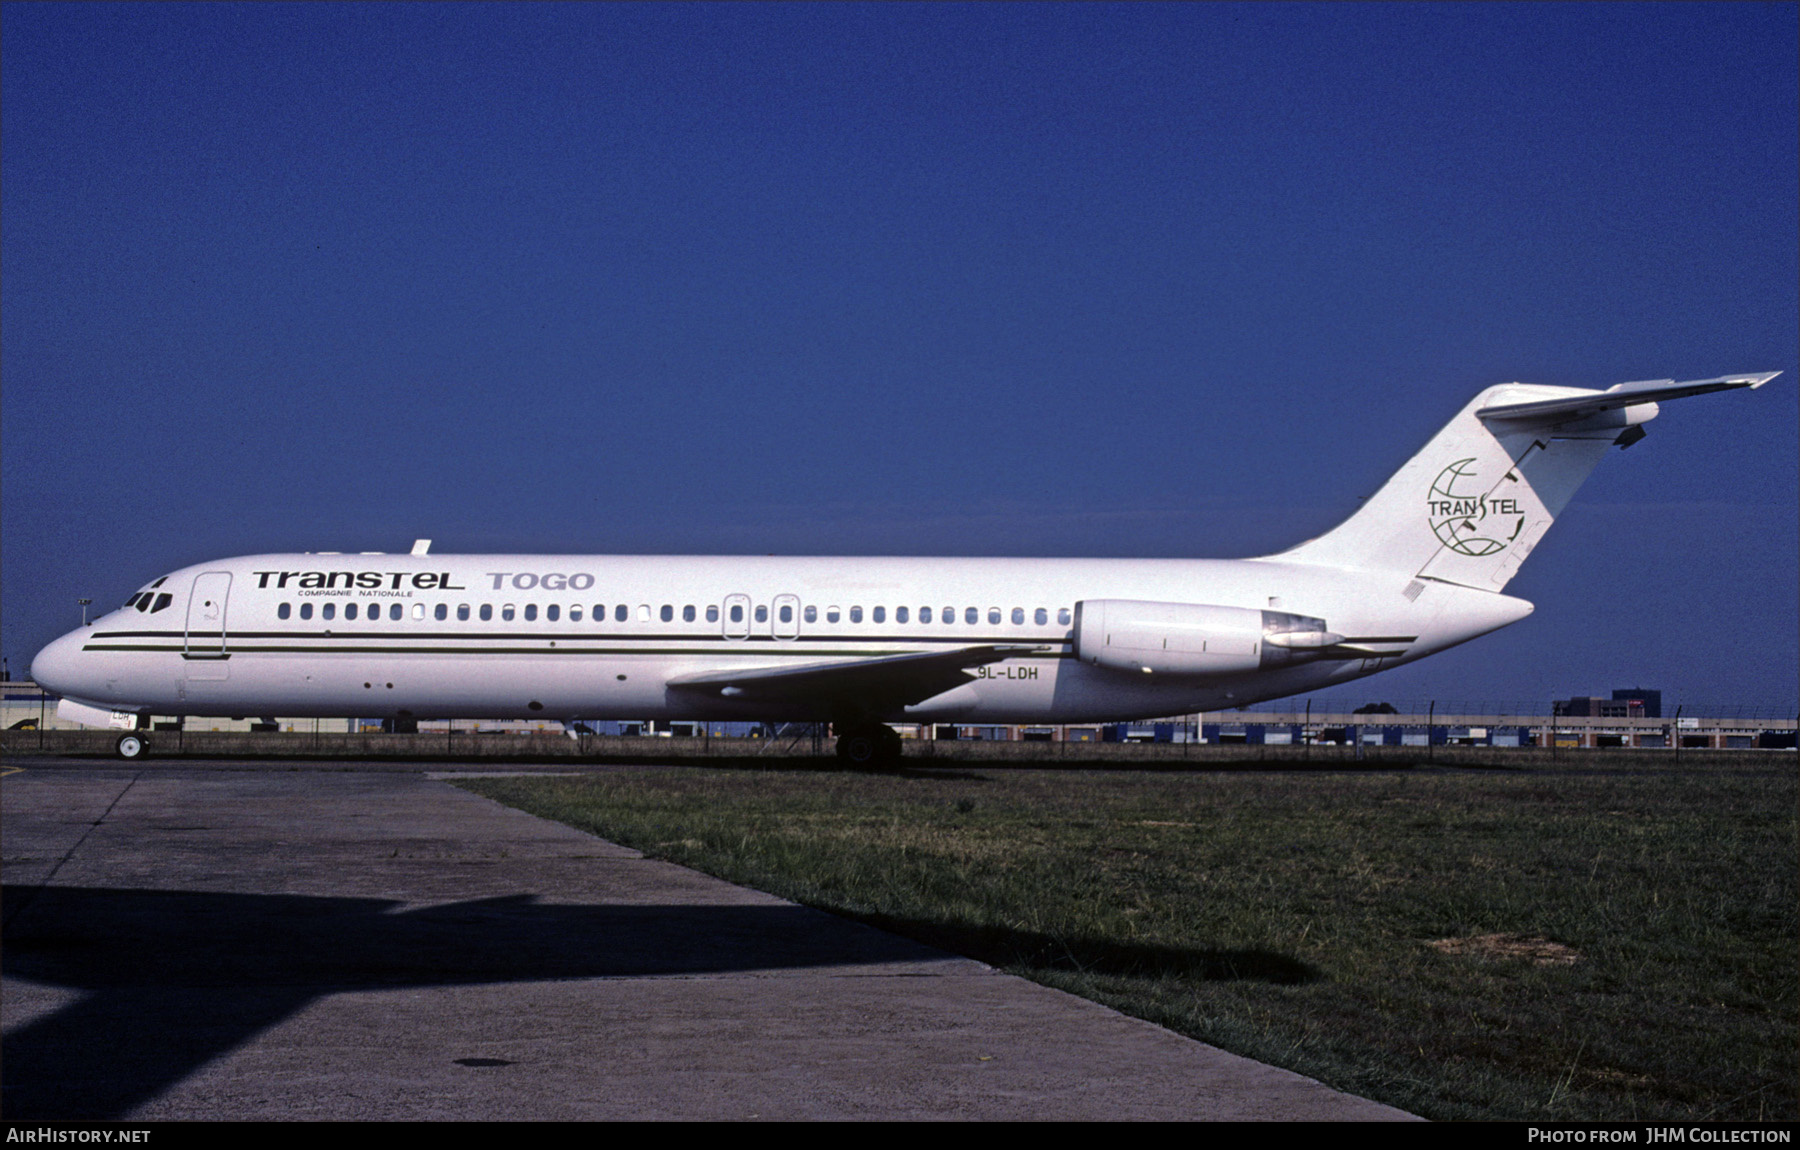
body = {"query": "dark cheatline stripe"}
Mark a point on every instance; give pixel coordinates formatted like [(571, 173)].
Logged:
[(421, 645), (397, 632)]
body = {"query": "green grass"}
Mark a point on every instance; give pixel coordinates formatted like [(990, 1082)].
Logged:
[(1286, 915)]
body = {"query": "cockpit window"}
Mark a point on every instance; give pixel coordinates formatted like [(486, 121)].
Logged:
[(162, 601), (158, 583)]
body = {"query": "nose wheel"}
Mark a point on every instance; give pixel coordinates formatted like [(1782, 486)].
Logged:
[(131, 747)]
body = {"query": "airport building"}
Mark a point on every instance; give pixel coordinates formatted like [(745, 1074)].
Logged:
[(1626, 702), (1631, 718)]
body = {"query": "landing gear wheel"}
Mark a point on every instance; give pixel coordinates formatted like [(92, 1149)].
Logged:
[(868, 745), (131, 747)]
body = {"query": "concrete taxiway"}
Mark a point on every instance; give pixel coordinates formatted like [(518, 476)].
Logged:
[(362, 940)]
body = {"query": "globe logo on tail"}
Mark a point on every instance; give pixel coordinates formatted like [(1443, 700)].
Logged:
[(1464, 518)]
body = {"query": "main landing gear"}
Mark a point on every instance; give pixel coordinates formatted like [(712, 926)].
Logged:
[(867, 745), (131, 747)]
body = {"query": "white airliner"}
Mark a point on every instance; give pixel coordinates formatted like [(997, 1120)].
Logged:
[(865, 642)]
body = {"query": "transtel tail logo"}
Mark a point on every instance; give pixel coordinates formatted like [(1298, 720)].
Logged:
[(1466, 518)]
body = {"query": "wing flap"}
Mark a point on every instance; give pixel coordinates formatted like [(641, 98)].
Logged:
[(887, 680)]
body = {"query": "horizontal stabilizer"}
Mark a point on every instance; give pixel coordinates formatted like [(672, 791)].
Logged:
[(1570, 407), (890, 681)]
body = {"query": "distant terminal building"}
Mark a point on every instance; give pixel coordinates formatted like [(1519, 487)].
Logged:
[(1626, 703), (1632, 718)]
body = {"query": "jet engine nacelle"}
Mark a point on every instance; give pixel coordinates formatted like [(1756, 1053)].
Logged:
[(1194, 639)]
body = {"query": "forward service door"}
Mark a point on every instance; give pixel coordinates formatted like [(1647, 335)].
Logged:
[(206, 647)]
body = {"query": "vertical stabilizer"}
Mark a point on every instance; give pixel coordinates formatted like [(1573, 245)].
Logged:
[(1470, 506)]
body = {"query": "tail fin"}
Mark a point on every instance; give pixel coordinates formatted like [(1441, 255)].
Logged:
[(1471, 505)]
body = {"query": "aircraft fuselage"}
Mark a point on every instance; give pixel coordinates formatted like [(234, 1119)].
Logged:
[(600, 637)]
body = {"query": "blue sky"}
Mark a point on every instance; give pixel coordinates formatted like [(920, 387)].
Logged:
[(1167, 280)]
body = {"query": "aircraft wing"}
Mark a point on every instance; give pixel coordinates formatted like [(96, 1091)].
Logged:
[(1620, 395), (892, 680)]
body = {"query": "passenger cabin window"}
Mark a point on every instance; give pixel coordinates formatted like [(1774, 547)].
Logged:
[(487, 612), (687, 613), (878, 615), (949, 614), (531, 612), (1040, 616), (737, 612), (283, 611), (575, 614), (462, 612), (1018, 616), (506, 613), (349, 610), (924, 614), (553, 611), (712, 612), (787, 613), (643, 612), (899, 614), (621, 613), (811, 613), (993, 615), (762, 612), (972, 615), (1062, 616), (831, 613), (394, 611), (418, 611), (327, 610), (306, 610), (856, 614), (668, 613)]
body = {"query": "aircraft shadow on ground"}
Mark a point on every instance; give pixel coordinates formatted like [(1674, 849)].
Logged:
[(174, 979), (171, 980)]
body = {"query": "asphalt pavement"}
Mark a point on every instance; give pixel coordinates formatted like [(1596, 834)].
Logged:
[(278, 941)]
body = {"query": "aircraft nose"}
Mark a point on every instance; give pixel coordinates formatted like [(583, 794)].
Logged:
[(58, 667)]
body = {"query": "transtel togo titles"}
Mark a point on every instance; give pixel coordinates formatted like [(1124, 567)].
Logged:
[(405, 582)]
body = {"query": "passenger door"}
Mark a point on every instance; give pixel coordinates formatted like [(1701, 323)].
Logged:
[(206, 647)]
